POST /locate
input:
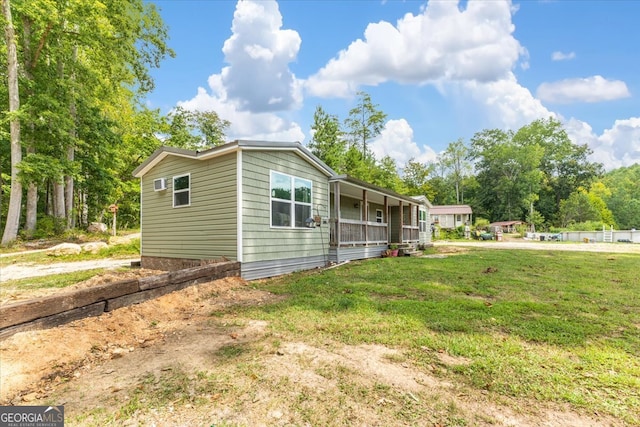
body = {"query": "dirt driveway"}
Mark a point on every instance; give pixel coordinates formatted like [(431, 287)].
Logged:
[(546, 246), (191, 358)]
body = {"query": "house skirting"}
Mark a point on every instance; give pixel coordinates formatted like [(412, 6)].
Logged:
[(348, 253), (276, 267)]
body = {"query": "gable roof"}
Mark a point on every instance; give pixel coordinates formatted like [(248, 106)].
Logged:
[(451, 210), (506, 223), (230, 147)]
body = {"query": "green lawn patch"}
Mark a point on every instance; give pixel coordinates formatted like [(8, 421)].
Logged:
[(551, 326)]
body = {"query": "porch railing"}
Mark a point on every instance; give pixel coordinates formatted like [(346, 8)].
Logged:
[(410, 233), (352, 232)]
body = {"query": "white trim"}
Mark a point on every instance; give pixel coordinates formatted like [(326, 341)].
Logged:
[(173, 190), (292, 201), (141, 196), (218, 151), (381, 216), (157, 160), (239, 196)]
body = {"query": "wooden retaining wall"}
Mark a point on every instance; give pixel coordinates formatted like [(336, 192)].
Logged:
[(72, 305)]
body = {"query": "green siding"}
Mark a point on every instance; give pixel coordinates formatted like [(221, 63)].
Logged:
[(260, 241), (207, 229), (350, 208)]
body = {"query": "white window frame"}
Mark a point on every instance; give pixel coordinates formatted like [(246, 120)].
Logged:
[(422, 220), (292, 202), (379, 216), (184, 190)]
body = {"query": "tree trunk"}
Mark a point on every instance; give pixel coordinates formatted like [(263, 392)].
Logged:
[(68, 188), (58, 203), (68, 180), (15, 199), (31, 215), (32, 209)]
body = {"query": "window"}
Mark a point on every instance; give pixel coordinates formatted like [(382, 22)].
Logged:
[(458, 218), (181, 190), (422, 220), (436, 219), (379, 217), (290, 200)]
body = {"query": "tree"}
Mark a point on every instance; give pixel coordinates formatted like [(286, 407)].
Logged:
[(507, 173), (364, 123), (196, 130), (384, 173), (624, 200), (597, 193), (83, 63), (416, 178), (15, 199), (454, 159), (577, 208), (327, 142), (564, 165)]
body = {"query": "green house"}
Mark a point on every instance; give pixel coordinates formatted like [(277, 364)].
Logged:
[(273, 206)]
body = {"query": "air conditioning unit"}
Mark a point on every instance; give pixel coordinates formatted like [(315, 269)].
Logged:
[(159, 184)]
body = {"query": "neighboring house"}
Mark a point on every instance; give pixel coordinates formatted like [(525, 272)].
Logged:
[(450, 216), (273, 206), (505, 226)]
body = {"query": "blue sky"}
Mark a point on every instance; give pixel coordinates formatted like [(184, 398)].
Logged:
[(441, 70)]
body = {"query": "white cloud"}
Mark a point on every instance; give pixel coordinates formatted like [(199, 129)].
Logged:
[(444, 42), (505, 102), (396, 141), (244, 124), (590, 89), (560, 56), (617, 147), (259, 51), (258, 81)]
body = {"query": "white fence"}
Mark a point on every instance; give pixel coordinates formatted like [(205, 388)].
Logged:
[(616, 236)]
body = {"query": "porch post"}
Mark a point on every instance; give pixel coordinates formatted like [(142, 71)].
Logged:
[(386, 216), (336, 212), (365, 217), (401, 222)]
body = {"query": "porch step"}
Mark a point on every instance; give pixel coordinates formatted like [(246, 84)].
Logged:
[(409, 252)]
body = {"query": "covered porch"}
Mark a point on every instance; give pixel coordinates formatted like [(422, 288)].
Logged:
[(366, 219)]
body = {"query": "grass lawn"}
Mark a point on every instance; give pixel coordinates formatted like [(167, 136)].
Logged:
[(548, 326)]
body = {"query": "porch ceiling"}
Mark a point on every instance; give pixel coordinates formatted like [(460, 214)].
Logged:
[(374, 195)]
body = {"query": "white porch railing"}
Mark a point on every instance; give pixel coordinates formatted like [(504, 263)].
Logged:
[(353, 232), (410, 233)]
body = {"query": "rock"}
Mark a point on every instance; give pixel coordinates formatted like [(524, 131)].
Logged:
[(30, 397), (118, 240), (94, 247), (64, 249), (97, 227)]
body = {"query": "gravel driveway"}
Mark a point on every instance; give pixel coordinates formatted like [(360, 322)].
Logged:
[(548, 246)]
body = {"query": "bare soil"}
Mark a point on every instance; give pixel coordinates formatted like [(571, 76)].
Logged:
[(110, 370)]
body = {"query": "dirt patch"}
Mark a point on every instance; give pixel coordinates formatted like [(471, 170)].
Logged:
[(35, 361), (189, 358), (450, 250)]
